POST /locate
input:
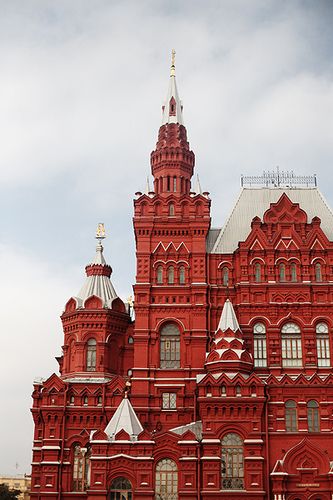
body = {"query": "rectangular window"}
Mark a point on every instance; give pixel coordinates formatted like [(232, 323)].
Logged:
[(323, 350), (291, 351), (169, 401), (259, 351), (170, 352)]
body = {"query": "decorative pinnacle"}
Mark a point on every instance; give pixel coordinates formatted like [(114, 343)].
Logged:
[(100, 232), (173, 67)]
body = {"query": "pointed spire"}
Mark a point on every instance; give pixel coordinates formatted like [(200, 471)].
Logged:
[(198, 188), (172, 109), (125, 419), (228, 353), (228, 318), (98, 272), (147, 190)]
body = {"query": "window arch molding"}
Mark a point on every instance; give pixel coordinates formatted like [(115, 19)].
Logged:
[(121, 487), (225, 272)]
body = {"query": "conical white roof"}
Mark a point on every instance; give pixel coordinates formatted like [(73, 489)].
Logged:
[(98, 283), (175, 116), (228, 318), (125, 419)]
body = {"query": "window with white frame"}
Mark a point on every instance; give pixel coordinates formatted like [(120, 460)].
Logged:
[(169, 401), (232, 462), (313, 416), (166, 480), (170, 346), (291, 345), (291, 416), (259, 345), (91, 355), (323, 345)]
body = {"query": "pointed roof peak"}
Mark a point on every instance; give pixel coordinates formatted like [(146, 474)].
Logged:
[(173, 108), (228, 320), (125, 419), (198, 189), (98, 272), (99, 257)]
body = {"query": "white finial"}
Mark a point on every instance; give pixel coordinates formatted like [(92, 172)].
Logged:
[(198, 188), (147, 191)]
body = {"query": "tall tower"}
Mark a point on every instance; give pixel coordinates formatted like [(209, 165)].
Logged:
[(171, 225)]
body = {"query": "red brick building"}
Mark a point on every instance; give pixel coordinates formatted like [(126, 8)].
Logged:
[(222, 385)]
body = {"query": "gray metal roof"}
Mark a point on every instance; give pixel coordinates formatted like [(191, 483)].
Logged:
[(254, 202), (125, 419)]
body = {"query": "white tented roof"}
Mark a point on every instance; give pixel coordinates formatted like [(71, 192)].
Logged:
[(254, 202), (177, 117), (228, 318), (125, 419), (98, 284)]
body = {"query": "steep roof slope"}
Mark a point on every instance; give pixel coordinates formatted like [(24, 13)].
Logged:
[(254, 202)]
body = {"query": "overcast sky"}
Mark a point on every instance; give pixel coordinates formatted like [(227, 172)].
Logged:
[(81, 88)]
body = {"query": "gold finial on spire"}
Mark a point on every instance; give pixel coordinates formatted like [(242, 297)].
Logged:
[(100, 232), (173, 67)]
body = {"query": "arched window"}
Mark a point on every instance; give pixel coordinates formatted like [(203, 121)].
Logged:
[(291, 416), (171, 275), (318, 274), (291, 345), (313, 416), (91, 355), (159, 275), (259, 345), (293, 272), (323, 345), (238, 390), (282, 272), (225, 276), (171, 209), (182, 275), (121, 488), (232, 464), (166, 480), (170, 347), (81, 468), (257, 272)]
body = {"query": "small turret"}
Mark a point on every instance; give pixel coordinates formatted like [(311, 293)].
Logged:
[(98, 282), (228, 353)]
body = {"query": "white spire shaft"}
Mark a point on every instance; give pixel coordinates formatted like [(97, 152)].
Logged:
[(172, 109)]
